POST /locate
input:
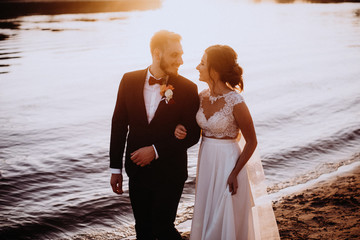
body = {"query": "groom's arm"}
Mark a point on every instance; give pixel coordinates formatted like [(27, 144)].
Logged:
[(188, 119), (119, 129), (166, 147)]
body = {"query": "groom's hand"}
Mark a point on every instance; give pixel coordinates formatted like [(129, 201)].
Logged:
[(116, 183), (143, 156)]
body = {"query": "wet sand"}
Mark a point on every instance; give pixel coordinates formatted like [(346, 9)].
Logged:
[(328, 210)]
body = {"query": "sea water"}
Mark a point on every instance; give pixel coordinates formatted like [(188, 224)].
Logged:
[(59, 76)]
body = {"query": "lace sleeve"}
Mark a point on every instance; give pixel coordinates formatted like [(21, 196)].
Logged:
[(231, 100), (203, 93), (237, 98)]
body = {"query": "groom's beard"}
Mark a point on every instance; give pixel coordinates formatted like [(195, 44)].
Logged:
[(166, 68)]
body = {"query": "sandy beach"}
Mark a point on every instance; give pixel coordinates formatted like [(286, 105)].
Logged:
[(327, 210)]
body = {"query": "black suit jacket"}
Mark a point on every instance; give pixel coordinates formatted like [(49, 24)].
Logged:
[(130, 128)]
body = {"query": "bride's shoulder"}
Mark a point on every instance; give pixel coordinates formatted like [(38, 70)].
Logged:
[(204, 93), (235, 97)]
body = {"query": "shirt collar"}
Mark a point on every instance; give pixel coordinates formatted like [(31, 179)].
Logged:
[(148, 75)]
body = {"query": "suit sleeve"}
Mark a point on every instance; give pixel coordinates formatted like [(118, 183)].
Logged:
[(188, 119), (119, 128)]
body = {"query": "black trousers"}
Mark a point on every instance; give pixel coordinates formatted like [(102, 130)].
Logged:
[(154, 207)]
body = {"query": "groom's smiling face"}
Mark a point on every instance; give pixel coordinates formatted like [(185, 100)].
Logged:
[(171, 58)]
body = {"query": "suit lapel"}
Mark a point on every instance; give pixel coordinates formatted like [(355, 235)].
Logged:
[(139, 94), (162, 104)]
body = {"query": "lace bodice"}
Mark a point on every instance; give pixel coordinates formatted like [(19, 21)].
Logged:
[(222, 123)]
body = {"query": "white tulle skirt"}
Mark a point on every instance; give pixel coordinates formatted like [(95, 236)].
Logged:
[(218, 215)]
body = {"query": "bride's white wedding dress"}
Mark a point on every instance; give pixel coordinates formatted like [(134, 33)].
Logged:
[(218, 215)]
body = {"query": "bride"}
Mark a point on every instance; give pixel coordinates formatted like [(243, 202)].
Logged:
[(230, 198)]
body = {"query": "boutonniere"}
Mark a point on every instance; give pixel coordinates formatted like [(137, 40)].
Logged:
[(166, 92)]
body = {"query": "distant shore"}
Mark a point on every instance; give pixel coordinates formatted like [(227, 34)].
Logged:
[(15, 8)]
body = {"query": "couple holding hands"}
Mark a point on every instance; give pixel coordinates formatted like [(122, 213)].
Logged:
[(158, 116)]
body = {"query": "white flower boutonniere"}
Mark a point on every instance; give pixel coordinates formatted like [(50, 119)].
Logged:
[(166, 91)]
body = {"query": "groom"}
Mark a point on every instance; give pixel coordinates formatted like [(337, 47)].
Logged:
[(150, 103)]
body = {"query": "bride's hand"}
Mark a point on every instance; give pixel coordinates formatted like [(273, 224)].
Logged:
[(180, 132), (233, 184)]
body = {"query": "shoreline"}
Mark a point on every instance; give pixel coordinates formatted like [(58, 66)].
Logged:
[(312, 182), (13, 9), (327, 207)]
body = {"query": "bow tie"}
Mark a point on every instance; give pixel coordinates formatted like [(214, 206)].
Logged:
[(153, 81)]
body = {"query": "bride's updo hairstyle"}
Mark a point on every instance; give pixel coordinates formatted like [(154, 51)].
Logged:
[(223, 59)]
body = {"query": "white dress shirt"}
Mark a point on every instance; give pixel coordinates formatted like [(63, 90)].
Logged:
[(152, 99)]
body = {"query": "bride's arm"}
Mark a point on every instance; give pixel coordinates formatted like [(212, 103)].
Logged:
[(246, 125), (180, 132)]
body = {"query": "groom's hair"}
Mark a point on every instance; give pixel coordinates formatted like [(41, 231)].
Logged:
[(161, 38)]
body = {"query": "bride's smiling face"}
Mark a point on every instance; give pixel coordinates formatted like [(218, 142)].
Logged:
[(203, 69)]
